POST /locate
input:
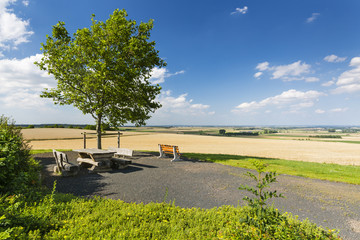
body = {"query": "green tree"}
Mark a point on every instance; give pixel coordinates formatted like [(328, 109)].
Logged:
[(18, 170), (104, 70)]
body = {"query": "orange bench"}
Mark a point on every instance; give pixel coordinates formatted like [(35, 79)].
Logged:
[(169, 149)]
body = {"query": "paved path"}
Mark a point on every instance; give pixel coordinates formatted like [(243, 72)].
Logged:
[(206, 185)]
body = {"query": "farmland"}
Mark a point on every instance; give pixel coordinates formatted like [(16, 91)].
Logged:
[(293, 144)]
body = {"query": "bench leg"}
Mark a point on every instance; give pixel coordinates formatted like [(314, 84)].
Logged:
[(176, 156), (162, 154)]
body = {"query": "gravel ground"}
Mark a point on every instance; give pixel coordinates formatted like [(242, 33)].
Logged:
[(206, 185)]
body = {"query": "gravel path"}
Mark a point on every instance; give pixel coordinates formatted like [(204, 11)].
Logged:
[(207, 185)]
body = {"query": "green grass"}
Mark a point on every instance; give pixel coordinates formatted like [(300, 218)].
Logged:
[(36, 151), (331, 172)]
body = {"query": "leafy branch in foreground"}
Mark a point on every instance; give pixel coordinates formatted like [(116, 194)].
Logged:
[(264, 218), (262, 182)]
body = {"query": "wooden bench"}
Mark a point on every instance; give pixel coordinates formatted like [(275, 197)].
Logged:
[(169, 149), (122, 152), (63, 165), (118, 160)]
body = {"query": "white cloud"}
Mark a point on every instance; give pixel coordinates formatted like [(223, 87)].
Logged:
[(339, 109), (181, 105), (312, 79), (22, 81), (13, 30), (349, 81), (240, 10), (333, 58), (263, 66), (295, 69), (258, 74), (289, 72), (25, 2), (319, 111), (328, 84), (158, 75), (313, 17), (291, 99)]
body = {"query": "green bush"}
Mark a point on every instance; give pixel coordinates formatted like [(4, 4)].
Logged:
[(18, 170), (90, 127), (66, 217)]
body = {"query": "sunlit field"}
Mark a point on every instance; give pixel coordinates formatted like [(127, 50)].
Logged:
[(290, 148)]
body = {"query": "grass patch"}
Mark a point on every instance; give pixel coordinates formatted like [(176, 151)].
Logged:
[(36, 151), (323, 171)]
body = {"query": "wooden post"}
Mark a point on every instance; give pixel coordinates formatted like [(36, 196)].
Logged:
[(119, 139), (84, 140)]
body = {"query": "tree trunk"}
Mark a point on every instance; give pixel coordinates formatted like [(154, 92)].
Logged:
[(98, 132)]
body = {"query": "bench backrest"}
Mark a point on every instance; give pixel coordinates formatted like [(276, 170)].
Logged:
[(60, 158), (122, 151), (169, 148)]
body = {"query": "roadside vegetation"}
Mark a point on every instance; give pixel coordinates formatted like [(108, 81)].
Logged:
[(323, 171)]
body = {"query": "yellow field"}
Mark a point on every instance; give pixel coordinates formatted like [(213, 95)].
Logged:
[(311, 151)]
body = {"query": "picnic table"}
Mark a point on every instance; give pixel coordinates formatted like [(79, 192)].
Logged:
[(98, 158)]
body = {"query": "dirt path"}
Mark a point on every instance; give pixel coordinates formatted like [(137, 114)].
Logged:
[(206, 185)]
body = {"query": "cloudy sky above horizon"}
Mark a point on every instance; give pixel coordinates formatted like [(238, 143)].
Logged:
[(229, 63)]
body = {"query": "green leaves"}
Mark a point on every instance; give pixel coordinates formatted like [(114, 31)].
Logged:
[(262, 182), (104, 70), (18, 170)]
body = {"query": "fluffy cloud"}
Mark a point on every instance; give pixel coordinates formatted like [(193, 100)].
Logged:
[(240, 10), (319, 111), (339, 109), (181, 105), (349, 81), (313, 17), (263, 66), (158, 75), (312, 79), (290, 72), (292, 99), (21, 82), (13, 30), (328, 84), (333, 58), (258, 74)]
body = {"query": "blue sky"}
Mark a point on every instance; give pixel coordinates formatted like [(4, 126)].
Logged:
[(255, 62)]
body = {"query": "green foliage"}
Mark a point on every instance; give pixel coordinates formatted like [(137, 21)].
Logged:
[(222, 131), (90, 127), (242, 134), (324, 171), (270, 131), (18, 170), (325, 136), (262, 182), (104, 70), (59, 216)]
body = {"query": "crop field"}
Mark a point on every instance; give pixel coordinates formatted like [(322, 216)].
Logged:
[(149, 138)]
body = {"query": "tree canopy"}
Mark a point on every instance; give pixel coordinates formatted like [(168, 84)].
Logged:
[(104, 70)]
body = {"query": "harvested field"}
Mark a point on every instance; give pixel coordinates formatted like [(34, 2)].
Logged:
[(310, 151)]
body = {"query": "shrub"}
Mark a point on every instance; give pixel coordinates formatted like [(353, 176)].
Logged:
[(18, 170), (222, 131), (90, 127)]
